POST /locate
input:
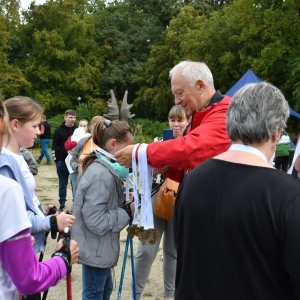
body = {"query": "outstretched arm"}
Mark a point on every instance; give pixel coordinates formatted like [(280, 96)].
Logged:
[(124, 156), (28, 275)]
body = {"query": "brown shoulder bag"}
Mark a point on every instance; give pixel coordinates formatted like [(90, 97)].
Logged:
[(165, 199)]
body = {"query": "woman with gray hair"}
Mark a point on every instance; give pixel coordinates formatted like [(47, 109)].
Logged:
[(236, 218)]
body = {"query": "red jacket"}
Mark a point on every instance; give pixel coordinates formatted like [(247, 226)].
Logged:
[(206, 137), (69, 144)]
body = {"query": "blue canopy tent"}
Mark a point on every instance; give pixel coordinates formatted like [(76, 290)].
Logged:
[(250, 77)]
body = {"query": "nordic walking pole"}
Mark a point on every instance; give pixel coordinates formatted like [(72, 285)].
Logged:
[(52, 211), (68, 277), (123, 268), (132, 270)]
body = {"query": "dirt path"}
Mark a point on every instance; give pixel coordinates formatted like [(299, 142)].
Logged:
[(47, 192)]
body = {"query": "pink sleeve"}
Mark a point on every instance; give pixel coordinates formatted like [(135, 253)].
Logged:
[(21, 263)]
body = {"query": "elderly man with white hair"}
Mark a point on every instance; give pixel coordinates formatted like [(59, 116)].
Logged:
[(193, 89)]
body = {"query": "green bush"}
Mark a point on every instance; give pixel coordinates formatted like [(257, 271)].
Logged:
[(145, 130), (86, 111), (55, 122)]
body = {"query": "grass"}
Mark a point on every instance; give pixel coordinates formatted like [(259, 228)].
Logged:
[(147, 294), (53, 179)]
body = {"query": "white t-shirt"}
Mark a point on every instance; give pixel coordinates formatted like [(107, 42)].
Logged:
[(27, 176), (13, 219)]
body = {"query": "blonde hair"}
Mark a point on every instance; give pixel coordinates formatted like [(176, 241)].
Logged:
[(97, 119), (3, 122), (94, 121), (23, 109)]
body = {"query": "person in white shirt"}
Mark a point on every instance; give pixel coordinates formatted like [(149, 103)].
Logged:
[(20, 272)]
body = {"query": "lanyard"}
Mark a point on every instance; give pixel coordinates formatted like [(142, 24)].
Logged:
[(248, 149), (105, 153), (145, 174), (135, 187), (113, 158)]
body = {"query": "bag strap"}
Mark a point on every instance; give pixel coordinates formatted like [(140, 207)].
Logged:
[(157, 187)]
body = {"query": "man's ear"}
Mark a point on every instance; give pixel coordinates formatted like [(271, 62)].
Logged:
[(200, 85)]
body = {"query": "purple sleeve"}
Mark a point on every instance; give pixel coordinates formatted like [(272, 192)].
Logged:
[(21, 263)]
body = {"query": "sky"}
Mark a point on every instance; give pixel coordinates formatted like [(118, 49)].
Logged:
[(25, 3)]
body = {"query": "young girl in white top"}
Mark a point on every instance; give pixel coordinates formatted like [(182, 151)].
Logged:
[(19, 269), (24, 118)]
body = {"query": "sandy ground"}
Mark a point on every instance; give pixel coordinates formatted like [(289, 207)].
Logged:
[(47, 192)]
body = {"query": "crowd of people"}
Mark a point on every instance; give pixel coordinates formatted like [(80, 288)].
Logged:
[(235, 221)]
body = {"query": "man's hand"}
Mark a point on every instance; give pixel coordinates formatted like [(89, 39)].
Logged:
[(162, 170), (64, 220), (132, 207), (124, 156)]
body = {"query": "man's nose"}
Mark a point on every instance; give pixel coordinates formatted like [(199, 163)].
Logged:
[(177, 101)]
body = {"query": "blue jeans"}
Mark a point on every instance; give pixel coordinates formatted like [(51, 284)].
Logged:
[(73, 177), (63, 178), (44, 150), (97, 283)]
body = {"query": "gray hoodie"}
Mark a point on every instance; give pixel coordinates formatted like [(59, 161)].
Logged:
[(99, 215)]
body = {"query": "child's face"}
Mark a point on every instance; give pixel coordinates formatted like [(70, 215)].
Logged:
[(27, 133), (84, 125), (116, 146)]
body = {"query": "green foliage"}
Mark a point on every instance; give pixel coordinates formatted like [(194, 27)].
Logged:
[(145, 130), (55, 122), (65, 49), (60, 53), (12, 79), (124, 33), (155, 93), (87, 111)]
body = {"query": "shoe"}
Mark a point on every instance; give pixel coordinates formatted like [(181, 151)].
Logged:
[(61, 208), (38, 161), (48, 163)]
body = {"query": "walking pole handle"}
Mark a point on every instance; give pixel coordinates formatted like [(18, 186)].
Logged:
[(67, 234), (68, 277)]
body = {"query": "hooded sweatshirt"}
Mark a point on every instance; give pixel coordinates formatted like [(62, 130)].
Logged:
[(60, 136)]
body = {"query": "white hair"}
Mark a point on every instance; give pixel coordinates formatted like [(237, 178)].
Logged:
[(193, 71), (255, 111)]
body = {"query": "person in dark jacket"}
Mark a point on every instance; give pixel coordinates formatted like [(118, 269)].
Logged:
[(59, 153), (45, 139), (236, 218)]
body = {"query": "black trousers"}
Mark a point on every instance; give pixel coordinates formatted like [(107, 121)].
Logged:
[(282, 161)]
